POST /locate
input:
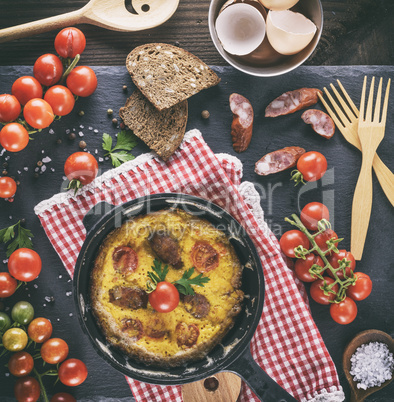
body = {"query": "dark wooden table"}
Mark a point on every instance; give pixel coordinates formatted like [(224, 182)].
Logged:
[(356, 32)]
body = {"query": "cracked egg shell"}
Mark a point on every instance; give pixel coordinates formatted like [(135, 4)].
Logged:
[(278, 5), (240, 28)]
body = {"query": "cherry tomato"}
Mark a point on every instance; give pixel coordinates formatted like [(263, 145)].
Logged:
[(24, 264), (362, 287), (38, 113), (82, 81), (15, 339), (27, 389), (292, 239), (22, 312), (312, 165), (26, 88), (322, 238), (69, 42), (73, 372), (82, 167), (317, 293), (63, 397), (334, 259), (7, 187), (5, 322), (8, 284), (344, 312), (164, 298), (205, 258), (14, 137), (48, 69), (21, 364), (302, 267), (54, 350), (40, 330), (9, 108), (312, 213), (61, 100)]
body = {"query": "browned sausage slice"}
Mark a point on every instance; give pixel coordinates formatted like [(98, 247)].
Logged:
[(133, 327), (186, 335), (321, 122), (125, 260), (278, 161), (242, 125), (197, 305), (166, 248), (133, 298), (291, 101)]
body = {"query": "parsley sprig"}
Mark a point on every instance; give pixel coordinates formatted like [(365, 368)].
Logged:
[(20, 236), (126, 141)]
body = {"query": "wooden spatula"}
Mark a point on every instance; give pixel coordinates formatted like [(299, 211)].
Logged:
[(110, 14)]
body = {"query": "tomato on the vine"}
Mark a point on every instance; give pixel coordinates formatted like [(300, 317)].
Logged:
[(10, 108), (82, 81), (63, 397), (312, 166), (344, 312), (54, 350), (317, 293), (5, 322), (334, 259), (26, 88), (14, 137), (15, 339), (73, 372), (8, 284), (361, 289), (21, 364), (61, 99), (24, 264), (69, 42), (22, 312), (38, 113), (27, 389), (322, 238), (40, 330), (292, 239), (80, 168), (48, 69), (7, 187), (312, 213), (302, 267), (164, 298)]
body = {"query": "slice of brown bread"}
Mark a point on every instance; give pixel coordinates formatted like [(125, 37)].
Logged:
[(167, 74), (162, 131)]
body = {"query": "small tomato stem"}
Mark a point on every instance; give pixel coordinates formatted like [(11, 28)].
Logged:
[(70, 68), (42, 387)]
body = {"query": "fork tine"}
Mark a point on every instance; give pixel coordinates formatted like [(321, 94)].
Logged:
[(378, 100), (341, 115), (362, 102), (331, 112), (349, 114), (348, 98), (368, 114), (386, 102)]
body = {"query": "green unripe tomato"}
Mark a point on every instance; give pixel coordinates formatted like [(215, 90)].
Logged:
[(22, 312), (5, 322)]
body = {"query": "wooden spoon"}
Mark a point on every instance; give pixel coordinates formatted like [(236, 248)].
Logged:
[(110, 14), (371, 335)]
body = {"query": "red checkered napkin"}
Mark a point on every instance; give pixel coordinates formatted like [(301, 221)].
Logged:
[(287, 343)]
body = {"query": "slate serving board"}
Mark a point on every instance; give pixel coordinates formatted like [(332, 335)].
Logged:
[(279, 198)]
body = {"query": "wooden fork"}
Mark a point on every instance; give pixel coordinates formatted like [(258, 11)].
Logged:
[(347, 122)]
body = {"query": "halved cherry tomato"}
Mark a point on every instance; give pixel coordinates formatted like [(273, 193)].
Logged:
[(312, 213), (292, 239), (334, 259), (164, 298), (344, 312), (14, 137), (73, 372), (69, 42), (27, 389), (26, 88), (8, 284), (54, 350), (322, 238), (205, 258), (312, 165), (21, 364), (38, 113), (302, 267), (61, 99), (40, 330), (82, 81), (81, 167), (48, 69), (7, 187), (317, 293), (361, 289), (63, 397), (24, 264), (9, 108)]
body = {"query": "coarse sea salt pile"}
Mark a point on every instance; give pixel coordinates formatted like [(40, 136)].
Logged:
[(371, 365)]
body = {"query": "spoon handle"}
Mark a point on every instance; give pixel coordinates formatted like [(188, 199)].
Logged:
[(354, 398)]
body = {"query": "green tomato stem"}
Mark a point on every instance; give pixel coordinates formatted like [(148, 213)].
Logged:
[(43, 395), (70, 68)]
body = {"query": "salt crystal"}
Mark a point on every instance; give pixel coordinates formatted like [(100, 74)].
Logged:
[(69, 293), (71, 314), (25, 168), (60, 276), (44, 305), (7, 158), (73, 129), (42, 151), (35, 286), (48, 299), (81, 134), (64, 177), (100, 159), (19, 172), (52, 169), (43, 168), (57, 319), (36, 169), (47, 159), (7, 374), (90, 128), (68, 131), (81, 127), (96, 151), (51, 131), (10, 217), (106, 158), (2, 152), (95, 130)]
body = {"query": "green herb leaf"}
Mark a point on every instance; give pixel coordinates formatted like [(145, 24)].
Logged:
[(126, 141), (184, 285), (158, 275), (120, 157), (20, 237), (107, 142)]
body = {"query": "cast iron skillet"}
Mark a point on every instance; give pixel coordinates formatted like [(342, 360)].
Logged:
[(233, 354)]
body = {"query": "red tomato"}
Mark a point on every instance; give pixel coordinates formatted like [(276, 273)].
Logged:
[(344, 312), (24, 264), (292, 239), (69, 42), (8, 284), (48, 69), (82, 81), (205, 258), (26, 88), (61, 100), (362, 287), (21, 364), (73, 372), (40, 330), (312, 213), (164, 298), (27, 389), (317, 293), (14, 137), (54, 350), (38, 113), (7, 187), (9, 108), (334, 259), (322, 238), (81, 167), (63, 397), (312, 165), (302, 267)]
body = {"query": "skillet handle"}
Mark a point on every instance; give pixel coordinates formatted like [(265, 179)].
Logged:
[(95, 214), (258, 380)]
